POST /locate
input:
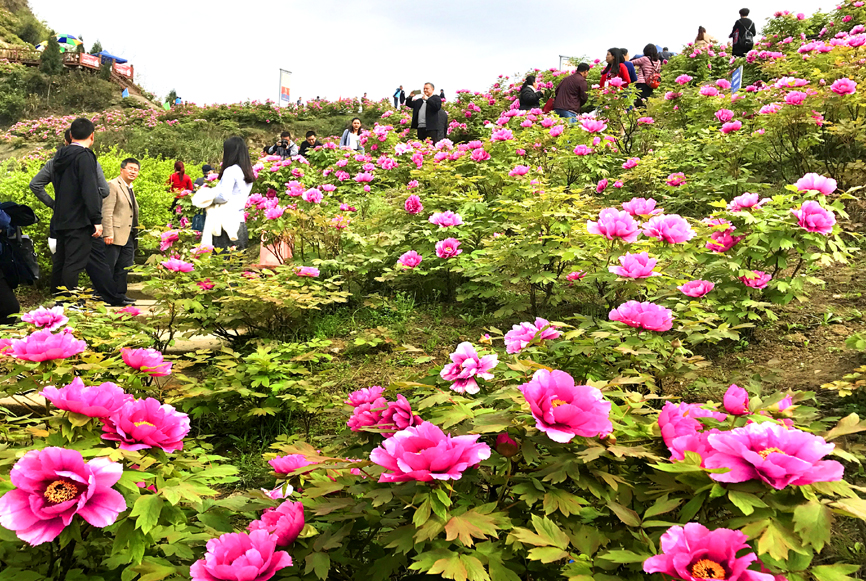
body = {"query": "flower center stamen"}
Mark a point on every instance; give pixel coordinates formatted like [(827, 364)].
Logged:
[(706, 569), (142, 423), (558, 402), (60, 491), (766, 452)]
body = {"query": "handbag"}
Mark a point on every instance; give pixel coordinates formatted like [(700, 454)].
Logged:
[(548, 107), (656, 79)]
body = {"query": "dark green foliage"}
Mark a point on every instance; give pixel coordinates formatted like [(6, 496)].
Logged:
[(51, 59), (97, 48), (81, 91)]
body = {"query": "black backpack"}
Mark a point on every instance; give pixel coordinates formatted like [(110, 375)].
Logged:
[(18, 263)]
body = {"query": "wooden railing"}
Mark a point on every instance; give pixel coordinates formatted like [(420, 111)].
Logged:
[(30, 57)]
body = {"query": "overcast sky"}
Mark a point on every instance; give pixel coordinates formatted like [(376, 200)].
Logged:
[(220, 51)]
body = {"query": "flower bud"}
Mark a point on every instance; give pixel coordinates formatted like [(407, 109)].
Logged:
[(506, 446)]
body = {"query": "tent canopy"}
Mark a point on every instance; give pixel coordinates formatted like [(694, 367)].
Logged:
[(108, 56)]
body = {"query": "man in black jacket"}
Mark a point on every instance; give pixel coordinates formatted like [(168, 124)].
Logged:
[(425, 113), (78, 204), (743, 34), (310, 142)]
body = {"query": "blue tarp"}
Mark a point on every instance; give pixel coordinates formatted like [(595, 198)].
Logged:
[(107, 56)]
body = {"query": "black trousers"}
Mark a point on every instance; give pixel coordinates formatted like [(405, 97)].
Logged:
[(396, 102), (101, 275), (73, 253), (120, 259), (8, 303), (424, 133)]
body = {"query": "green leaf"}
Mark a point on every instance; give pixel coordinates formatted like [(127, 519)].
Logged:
[(848, 425), (400, 539), (319, 563), (661, 506), (692, 507), (147, 509), (837, 572), (776, 541), (813, 521), (626, 515), (622, 556), (745, 501), (499, 572), (548, 530), (562, 501), (468, 525), (155, 569), (15, 574), (547, 554), (451, 567)]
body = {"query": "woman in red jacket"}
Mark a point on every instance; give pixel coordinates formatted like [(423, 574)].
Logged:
[(179, 181), (615, 68)]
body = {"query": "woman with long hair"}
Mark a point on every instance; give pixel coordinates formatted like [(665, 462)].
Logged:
[(179, 181), (704, 39), (530, 96), (649, 68), (230, 197), (352, 136), (615, 68)]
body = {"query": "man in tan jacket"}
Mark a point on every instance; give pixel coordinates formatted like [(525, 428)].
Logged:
[(120, 221)]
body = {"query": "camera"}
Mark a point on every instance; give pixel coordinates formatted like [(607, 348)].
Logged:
[(284, 143)]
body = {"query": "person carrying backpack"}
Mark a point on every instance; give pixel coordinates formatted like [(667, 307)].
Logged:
[(743, 34), (18, 263), (649, 68)]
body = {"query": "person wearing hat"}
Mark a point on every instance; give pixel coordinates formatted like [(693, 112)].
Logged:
[(206, 171)]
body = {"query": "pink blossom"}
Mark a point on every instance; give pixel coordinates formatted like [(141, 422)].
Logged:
[(723, 83), (563, 410), (49, 319), (844, 86), (671, 95), (519, 170), (724, 115), (205, 284), (602, 186), (502, 135), (616, 82), (696, 288), (680, 427), (147, 423), (445, 219), (45, 346), (328, 187), (770, 109), (520, 336), (410, 259), (635, 266), (166, 239), (274, 213), (479, 155), (795, 98), (367, 415), (466, 366), (448, 248), (576, 275), (777, 455), (747, 202), (641, 207), (670, 228), (582, 150), (676, 179), (613, 223), (736, 400), (695, 553), (646, 120), (284, 523), (199, 250), (285, 465), (423, 453), (314, 196), (96, 401), (240, 557), (506, 445), (618, 184), (818, 183), (413, 204), (364, 177), (149, 361), (129, 310), (177, 265), (758, 279), (398, 416), (709, 91), (307, 271), (722, 241), (557, 131), (731, 127), (631, 162), (412, 184), (814, 218), (648, 316), (365, 395), (683, 79), (52, 485), (593, 125)]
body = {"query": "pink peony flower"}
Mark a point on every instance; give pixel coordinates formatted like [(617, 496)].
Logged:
[(129, 310), (519, 170), (670, 228), (672, 95), (448, 248), (502, 135), (365, 395), (166, 239), (602, 186), (649, 316), (423, 453), (818, 183), (676, 179), (149, 361), (709, 91), (641, 207), (730, 127), (52, 485), (290, 463), (506, 445), (367, 415), (679, 426), (613, 223), (445, 219), (582, 150), (307, 271), (410, 259), (284, 523), (724, 115), (593, 125), (480, 154), (746, 202), (199, 250), (844, 87), (96, 401), (364, 177), (177, 265), (777, 455), (683, 79), (520, 336), (274, 213), (631, 162), (758, 279), (45, 346), (795, 98), (736, 400), (695, 553), (696, 288), (814, 218), (618, 184), (563, 410), (314, 196), (723, 83), (240, 557), (646, 120), (398, 416), (205, 284), (147, 423), (466, 366), (576, 275), (557, 130), (723, 240), (413, 204), (50, 319), (635, 266)]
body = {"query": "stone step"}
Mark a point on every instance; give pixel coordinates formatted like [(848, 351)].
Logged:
[(135, 290)]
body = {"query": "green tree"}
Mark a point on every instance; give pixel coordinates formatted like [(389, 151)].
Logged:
[(105, 70), (97, 48), (51, 59), (172, 97)]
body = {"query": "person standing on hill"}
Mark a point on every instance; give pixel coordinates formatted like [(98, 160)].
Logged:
[(632, 73), (425, 113), (649, 67), (351, 137), (442, 94), (230, 197), (530, 96), (206, 171), (285, 146), (704, 38), (120, 223), (399, 97), (571, 96), (615, 68), (743, 34), (666, 54), (179, 181)]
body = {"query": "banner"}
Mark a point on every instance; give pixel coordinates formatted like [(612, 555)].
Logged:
[(737, 80), (125, 70), (285, 83), (89, 60)]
